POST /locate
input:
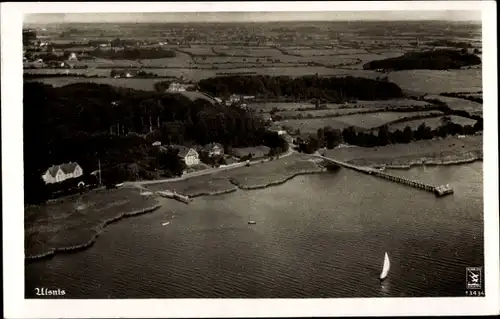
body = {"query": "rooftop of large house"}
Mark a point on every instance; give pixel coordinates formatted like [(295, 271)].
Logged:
[(195, 95), (66, 168)]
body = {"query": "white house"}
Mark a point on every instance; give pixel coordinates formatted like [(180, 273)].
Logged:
[(189, 155), (157, 143), (281, 132), (62, 172)]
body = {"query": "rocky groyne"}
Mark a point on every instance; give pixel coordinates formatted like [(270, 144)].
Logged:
[(93, 238)]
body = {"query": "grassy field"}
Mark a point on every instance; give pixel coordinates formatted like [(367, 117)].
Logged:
[(195, 186), (460, 104), (431, 122), (432, 81), (372, 120), (273, 171), (382, 103), (73, 221), (323, 113), (257, 151), (404, 154), (311, 126)]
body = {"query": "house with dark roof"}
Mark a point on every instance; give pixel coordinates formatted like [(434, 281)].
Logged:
[(62, 172)]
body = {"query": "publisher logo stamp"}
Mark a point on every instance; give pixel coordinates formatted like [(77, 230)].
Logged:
[(474, 277)]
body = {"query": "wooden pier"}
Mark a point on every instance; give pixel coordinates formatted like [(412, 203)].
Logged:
[(440, 190)]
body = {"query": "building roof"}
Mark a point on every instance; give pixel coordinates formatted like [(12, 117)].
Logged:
[(66, 168), (183, 150)]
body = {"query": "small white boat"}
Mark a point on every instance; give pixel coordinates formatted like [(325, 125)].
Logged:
[(252, 222), (386, 267), (165, 224)]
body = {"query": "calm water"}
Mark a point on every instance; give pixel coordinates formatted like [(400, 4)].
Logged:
[(316, 236)]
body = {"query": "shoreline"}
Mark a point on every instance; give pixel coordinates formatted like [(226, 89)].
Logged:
[(429, 162), (93, 238), (277, 182), (214, 193)]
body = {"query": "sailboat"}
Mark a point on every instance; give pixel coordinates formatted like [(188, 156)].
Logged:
[(386, 267)]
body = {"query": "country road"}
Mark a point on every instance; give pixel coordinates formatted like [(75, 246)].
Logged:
[(289, 152)]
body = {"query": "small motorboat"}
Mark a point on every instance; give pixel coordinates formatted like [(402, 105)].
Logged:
[(252, 222), (385, 267), (165, 224)]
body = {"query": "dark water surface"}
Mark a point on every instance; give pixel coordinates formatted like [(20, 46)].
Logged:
[(315, 236)]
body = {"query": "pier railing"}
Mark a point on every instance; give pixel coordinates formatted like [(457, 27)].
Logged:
[(439, 190)]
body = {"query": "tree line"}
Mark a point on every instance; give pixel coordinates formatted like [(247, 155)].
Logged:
[(329, 138), (432, 60), (87, 122), (331, 89)]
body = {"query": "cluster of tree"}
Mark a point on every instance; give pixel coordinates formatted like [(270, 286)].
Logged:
[(463, 96), (331, 89), (84, 122), (325, 137), (449, 43), (432, 60), (134, 53), (134, 73), (29, 35)]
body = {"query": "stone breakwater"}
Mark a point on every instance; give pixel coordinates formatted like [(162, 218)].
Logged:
[(277, 182), (93, 238), (432, 162)]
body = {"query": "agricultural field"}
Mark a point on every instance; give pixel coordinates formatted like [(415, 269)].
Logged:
[(324, 113), (311, 126), (373, 120), (433, 123), (381, 103), (199, 50), (435, 82), (327, 52), (362, 122), (181, 60), (460, 104), (407, 153), (247, 51), (107, 63)]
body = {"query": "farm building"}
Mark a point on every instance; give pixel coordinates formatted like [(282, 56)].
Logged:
[(62, 172), (189, 155)]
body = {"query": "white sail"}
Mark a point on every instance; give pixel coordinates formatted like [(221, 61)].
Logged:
[(386, 267)]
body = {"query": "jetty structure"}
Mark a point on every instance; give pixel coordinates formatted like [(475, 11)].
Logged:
[(439, 190), (174, 195)]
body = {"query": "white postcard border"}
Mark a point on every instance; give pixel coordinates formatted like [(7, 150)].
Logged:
[(12, 153)]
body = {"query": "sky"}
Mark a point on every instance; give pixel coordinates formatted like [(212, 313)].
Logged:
[(166, 17)]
